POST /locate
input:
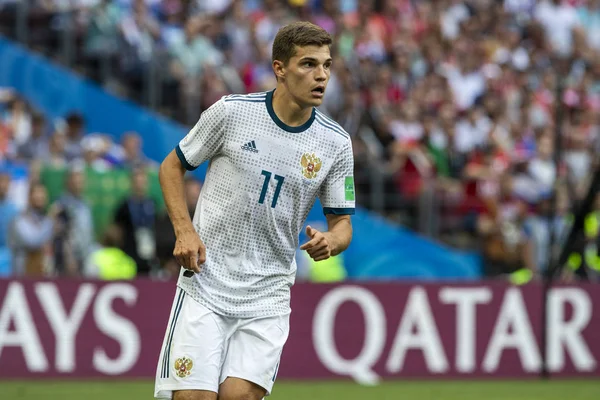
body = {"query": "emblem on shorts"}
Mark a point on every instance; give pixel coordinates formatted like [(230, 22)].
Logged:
[(183, 367), (311, 164)]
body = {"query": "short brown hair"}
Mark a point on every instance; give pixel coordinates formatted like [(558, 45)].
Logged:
[(300, 33)]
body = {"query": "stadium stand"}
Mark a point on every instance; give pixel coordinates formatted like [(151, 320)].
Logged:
[(451, 104)]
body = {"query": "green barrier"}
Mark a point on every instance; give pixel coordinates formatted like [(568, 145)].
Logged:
[(104, 191)]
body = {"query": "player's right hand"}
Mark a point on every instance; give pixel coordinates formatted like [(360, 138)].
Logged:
[(189, 251)]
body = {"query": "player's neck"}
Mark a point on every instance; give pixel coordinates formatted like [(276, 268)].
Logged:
[(288, 110)]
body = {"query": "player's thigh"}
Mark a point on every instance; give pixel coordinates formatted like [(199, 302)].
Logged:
[(253, 354), (193, 351), (240, 389), (194, 395)]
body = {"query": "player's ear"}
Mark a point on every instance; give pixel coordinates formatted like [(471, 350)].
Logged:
[(279, 69)]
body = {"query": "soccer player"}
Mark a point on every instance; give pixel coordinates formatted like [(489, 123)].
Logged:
[(271, 154)]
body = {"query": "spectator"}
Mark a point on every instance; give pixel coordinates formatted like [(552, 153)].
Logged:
[(109, 262), (102, 37), (465, 78), (541, 168), (407, 130), (77, 220), (31, 235), (473, 131), (36, 147), (98, 152), (172, 28), (589, 18), (507, 245), (140, 31), (559, 19), (132, 156), (17, 121), (8, 211), (74, 130), (56, 156), (542, 224), (137, 216), (190, 56)]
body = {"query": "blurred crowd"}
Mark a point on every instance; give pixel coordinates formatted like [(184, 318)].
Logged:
[(40, 236), (485, 112)]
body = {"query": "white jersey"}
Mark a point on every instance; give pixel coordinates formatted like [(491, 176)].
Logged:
[(263, 178)]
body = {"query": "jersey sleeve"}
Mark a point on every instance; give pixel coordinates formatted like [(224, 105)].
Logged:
[(337, 191), (205, 139)]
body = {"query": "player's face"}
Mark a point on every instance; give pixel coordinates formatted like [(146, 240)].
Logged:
[(307, 74)]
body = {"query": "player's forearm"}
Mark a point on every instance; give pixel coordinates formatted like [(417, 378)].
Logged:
[(340, 236), (171, 175)]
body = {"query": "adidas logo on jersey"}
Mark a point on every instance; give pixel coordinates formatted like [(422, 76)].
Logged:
[(250, 146)]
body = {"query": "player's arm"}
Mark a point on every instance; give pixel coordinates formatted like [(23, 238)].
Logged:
[(203, 142), (337, 197), (323, 245), (339, 232), (171, 176), (189, 250)]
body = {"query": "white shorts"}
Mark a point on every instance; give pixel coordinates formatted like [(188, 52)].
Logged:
[(201, 349)]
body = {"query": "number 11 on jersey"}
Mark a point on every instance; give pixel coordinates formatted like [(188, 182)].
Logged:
[(263, 192)]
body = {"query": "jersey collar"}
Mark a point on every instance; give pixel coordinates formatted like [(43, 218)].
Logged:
[(280, 123)]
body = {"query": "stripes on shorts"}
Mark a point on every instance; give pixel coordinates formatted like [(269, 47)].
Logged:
[(167, 352)]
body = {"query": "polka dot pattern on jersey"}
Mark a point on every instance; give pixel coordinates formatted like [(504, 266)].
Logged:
[(261, 183)]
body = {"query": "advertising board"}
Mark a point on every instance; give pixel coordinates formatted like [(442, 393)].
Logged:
[(367, 332)]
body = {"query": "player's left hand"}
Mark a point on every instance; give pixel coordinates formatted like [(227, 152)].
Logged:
[(319, 246)]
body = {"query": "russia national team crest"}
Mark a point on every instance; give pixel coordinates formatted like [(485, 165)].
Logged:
[(183, 367), (311, 164)]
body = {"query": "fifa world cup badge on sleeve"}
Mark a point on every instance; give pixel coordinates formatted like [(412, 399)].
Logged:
[(183, 367), (349, 188)]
